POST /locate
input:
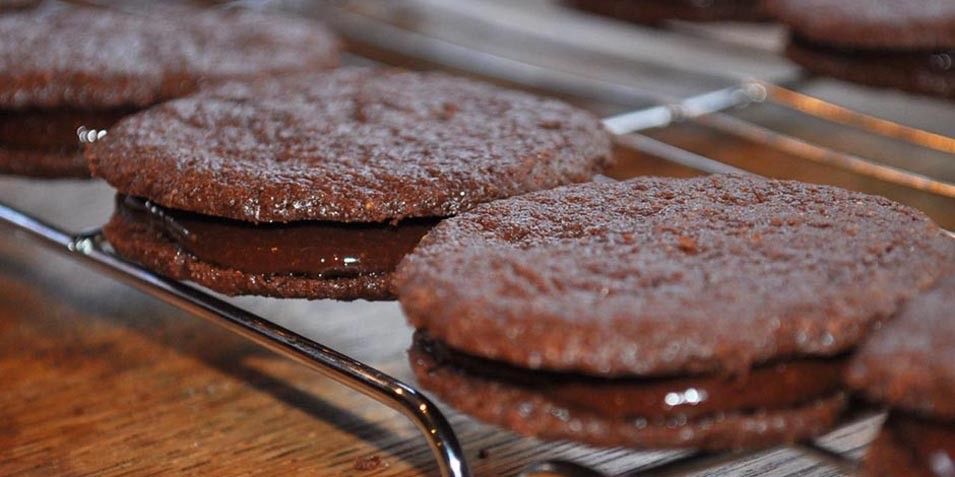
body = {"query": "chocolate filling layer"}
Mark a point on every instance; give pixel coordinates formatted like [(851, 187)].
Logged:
[(325, 249), (51, 130), (780, 385), (938, 61), (931, 444)]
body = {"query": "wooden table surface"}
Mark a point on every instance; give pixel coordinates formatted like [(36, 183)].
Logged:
[(99, 379)]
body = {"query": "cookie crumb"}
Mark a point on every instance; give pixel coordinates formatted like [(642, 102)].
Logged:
[(369, 463), (687, 244)]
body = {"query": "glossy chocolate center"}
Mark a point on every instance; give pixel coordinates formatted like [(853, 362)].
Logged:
[(940, 61), (314, 248), (55, 129), (774, 386)]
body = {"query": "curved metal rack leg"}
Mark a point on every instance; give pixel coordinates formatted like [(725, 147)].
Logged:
[(343, 369)]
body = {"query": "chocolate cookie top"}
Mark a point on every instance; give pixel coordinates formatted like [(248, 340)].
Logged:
[(891, 24), (353, 145), (910, 362), (60, 56), (656, 276)]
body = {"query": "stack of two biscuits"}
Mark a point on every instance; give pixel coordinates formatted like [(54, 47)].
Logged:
[(715, 313), (316, 186)]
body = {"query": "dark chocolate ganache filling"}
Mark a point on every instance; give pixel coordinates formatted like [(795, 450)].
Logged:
[(938, 61), (313, 248), (51, 130), (779, 385), (932, 444)]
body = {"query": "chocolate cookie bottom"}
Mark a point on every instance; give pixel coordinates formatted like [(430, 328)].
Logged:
[(911, 446), (714, 413), (657, 11), (299, 260), (924, 72)]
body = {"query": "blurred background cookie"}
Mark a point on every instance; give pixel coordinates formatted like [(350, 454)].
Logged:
[(903, 44), (64, 66)]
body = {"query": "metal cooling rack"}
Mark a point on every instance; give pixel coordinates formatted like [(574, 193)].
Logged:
[(708, 108)]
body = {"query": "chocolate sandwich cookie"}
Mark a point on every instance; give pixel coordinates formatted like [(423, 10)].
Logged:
[(316, 185), (654, 12), (711, 312), (902, 44), (909, 365), (63, 66)]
